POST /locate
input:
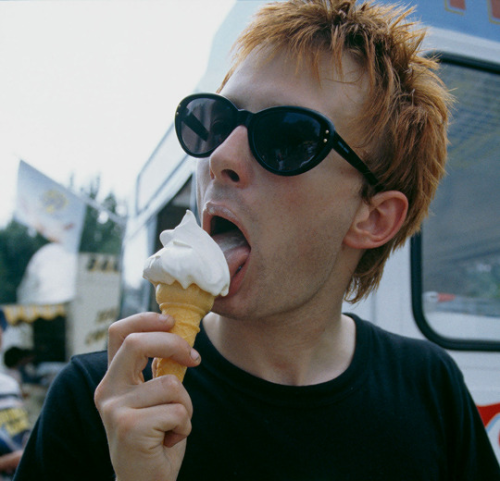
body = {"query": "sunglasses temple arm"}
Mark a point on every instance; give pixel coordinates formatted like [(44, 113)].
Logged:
[(196, 126), (348, 154)]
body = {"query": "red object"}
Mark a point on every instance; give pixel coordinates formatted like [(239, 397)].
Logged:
[(495, 9), (488, 412), (460, 4)]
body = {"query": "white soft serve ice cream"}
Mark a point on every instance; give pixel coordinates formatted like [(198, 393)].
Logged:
[(189, 256)]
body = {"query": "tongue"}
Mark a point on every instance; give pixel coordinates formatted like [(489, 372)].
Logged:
[(235, 249)]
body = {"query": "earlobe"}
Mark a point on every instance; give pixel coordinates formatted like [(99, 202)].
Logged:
[(378, 221)]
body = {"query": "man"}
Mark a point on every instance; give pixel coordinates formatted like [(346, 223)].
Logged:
[(287, 387), (14, 422)]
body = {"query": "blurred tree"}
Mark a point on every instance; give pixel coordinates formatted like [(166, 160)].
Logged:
[(100, 233), (17, 245)]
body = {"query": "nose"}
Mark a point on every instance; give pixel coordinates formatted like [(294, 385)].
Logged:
[(232, 162)]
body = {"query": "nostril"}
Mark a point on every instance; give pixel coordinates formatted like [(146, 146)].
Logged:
[(232, 175)]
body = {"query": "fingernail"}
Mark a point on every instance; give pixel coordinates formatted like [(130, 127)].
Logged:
[(195, 355)]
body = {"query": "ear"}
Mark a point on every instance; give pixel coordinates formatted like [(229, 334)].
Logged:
[(376, 222)]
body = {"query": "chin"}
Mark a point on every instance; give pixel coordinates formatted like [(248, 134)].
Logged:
[(233, 308)]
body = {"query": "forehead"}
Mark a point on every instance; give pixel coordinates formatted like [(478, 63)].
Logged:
[(262, 81)]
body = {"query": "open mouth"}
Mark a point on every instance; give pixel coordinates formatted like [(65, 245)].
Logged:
[(232, 241), (221, 226)]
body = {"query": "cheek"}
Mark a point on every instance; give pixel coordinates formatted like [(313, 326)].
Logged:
[(202, 177), (293, 267), (315, 219), (305, 236)]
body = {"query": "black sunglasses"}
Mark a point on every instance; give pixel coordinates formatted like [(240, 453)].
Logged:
[(285, 140)]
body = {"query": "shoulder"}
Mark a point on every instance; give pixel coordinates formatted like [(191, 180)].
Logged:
[(416, 370), (408, 354), (92, 365), (82, 373)]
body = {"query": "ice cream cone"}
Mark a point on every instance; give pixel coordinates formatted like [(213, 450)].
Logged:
[(187, 307)]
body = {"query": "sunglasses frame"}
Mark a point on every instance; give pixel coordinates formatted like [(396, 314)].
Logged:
[(332, 139)]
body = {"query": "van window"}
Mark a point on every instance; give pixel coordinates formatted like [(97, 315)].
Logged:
[(456, 259)]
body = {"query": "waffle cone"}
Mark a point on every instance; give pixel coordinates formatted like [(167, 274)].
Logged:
[(187, 307)]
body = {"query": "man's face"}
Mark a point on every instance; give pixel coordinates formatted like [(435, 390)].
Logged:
[(294, 226)]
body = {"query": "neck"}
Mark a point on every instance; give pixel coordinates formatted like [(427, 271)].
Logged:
[(283, 351)]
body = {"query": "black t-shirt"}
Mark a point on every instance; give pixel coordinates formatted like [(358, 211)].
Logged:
[(399, 412)]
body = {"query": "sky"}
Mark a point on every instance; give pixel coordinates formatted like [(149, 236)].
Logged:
[(89, 87)]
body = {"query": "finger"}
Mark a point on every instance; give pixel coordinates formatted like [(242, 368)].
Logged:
[(132, 357), (171, 439), (162, 390), (175, 425), (147, 428), (143, 322)]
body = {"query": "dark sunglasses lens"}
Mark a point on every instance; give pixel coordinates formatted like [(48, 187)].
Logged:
[(203, 124), (287, 141)]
